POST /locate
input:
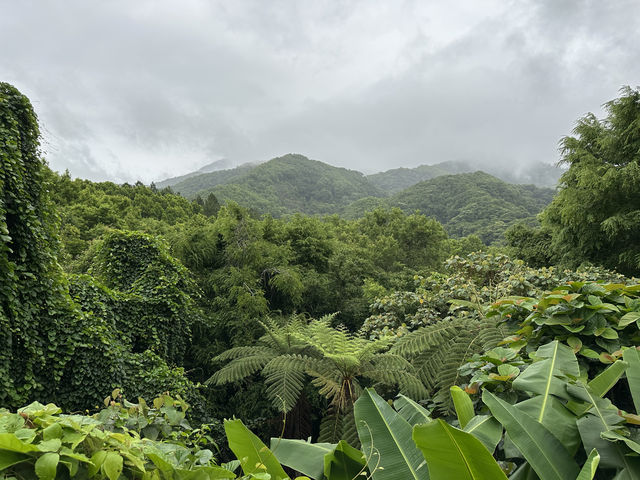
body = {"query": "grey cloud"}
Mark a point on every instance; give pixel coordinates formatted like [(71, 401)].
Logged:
[(129, 90)]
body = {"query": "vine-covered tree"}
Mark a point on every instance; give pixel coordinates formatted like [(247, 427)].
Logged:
[(36, 314), (595, 216)]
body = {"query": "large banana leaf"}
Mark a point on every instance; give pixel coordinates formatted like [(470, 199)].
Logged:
[(344, 463), (254, 455), (600, 385), (556, 418), (602, 417), (411, 411), (301, 456), (463, 405), (386, 440), (590, 466), (486, 429), (452, 453), (632, 357), (554, 360), (546, 455)]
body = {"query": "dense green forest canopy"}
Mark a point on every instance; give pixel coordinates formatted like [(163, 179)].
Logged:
[(465, 203), (308, 326)]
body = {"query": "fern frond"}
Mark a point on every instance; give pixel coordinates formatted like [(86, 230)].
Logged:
[(438, 364), (239, 369), (371, 347), (349, 430), (279, 335), (285, 379), (392, 369), (437, 334), (238, 352), (331, 427), (325, 339)]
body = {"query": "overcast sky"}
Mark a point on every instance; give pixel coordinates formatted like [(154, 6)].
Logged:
[(129, 90)]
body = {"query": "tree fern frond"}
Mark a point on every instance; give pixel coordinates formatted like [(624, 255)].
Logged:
[(331, 427), (285, 379), (239, 369), (438, 365), (238, 352), (437, 334), (371, 347), (349, 430)]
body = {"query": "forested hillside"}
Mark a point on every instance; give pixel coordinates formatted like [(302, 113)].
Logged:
[(466, 203), (394, 180), (284, 185), (474, 203), (146, 335)]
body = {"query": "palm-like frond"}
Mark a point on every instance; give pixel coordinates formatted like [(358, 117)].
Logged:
[(241, 368), (239, 352), (439, 350), (285, 379), (426, 338), (393, 369), (339, 425), (280, 335)]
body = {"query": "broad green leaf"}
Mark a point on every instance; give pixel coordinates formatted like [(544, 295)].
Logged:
[(52, 445), (46, 466), (540, 447), (386, 440), (555, 360), (301, 456), (158, 459), (254, 455), (629, 318), (603, 382), (8, 441), (463, 405), (112, 465), (600, 385), (486, 429), (524, 472), (632, 357), (556, 418), (7, 459), (411, 411), (590, 466), (616, 437), (97, 459), (52, 431), (600, 418), (344, 463), (452, 453)]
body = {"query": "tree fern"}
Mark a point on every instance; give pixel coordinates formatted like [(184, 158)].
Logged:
[(335, 359)]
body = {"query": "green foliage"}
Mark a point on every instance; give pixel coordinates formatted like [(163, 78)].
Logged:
[(533, 245), (335, 361), (595, 216), (453, 453), (89, 209), (474, 203), (36, 313), (386, 438), (39, 439), (154, 306), (596, 320), (288, 184)]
